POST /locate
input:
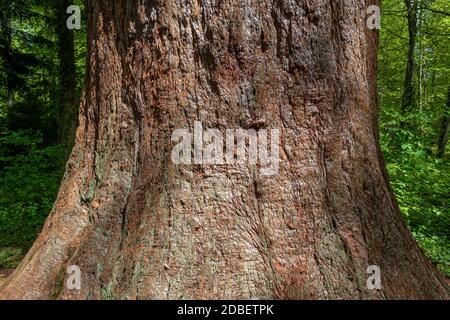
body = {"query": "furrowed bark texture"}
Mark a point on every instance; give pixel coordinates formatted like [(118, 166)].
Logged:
[(139, 226)]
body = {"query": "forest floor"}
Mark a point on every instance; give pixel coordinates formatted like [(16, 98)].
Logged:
[(9, 260), (5, 273)]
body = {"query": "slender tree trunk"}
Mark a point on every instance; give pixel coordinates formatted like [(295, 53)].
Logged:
[(67, 77), (421, 72), (443, 135), (139, 226), (8, 57), (409, 90)]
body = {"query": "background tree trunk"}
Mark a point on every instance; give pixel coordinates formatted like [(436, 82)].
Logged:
[(67, 77), (445, 128), (5, 24), (409, 91), (139, 226)]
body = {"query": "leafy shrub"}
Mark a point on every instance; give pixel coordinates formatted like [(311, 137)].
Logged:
[(10, 257), (420, 181), (29, 179)]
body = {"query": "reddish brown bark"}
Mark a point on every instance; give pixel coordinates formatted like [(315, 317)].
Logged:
[(141, 227)]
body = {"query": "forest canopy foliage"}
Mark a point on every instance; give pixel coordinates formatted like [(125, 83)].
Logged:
[(414, 96)]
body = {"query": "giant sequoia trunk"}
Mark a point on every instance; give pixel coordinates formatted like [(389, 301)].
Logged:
[(140, 226)]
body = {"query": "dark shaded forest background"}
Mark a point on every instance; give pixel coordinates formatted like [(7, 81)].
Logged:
[(42, 67)]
